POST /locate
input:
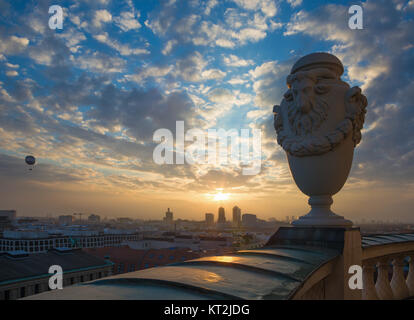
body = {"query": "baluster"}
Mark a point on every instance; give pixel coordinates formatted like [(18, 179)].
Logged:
[(383, 287), (369, 292), (398, 285), (410, 277)]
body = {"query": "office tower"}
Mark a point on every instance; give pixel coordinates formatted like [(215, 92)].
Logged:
[(65, 220), (249, 220), (209, 219), (221, 215), (7, 218), (94, 218), (236, 216), (169, 217)]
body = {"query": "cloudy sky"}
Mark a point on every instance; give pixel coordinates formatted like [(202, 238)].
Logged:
[(86, 100)]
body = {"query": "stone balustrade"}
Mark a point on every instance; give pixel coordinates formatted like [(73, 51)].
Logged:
[(387, 262), (384, 277), (388, 267)]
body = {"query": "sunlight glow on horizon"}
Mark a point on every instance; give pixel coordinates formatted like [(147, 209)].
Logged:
[(221, 196)]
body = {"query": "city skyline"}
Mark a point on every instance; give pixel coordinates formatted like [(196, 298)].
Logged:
[(168, 215)]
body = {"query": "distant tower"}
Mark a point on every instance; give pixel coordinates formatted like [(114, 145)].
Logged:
[(236, 216), (221, 215), (209, 219), (249, 220), (169, 217)]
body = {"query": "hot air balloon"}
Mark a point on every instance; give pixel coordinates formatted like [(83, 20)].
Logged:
[(30, 160)]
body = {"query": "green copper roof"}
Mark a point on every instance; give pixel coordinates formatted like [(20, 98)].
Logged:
[(381, 239), (273, 272)]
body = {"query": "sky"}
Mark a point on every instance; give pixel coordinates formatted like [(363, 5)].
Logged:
[(86, 99)]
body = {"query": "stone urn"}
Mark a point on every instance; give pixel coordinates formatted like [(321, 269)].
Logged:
[(318, 124)]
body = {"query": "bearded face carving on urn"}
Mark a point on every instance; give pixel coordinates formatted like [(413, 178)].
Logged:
[(318, 124)]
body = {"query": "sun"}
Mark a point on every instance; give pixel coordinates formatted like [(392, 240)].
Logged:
[(221, 196)]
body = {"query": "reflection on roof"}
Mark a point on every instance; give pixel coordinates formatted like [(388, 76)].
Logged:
[(375, 240), (273, 272)]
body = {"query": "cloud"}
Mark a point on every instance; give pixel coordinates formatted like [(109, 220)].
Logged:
[(73, 38), (123, 49), (13, 44), (150, 72), (236, 28), (37, 25), (50, 51), (128, 21), (236, 81), (251, 34), (210, 5), (234, 61), (268, 7), (294, 3), (270, 82), (13, 66), (212, 74), (101, 63), (214, 179), (256, 114), (220, 95), (100, 17), (190, 67), (12, 73), (225, 97), (169, 46), (59, 131)]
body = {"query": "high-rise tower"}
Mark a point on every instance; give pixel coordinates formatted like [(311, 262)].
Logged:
[(236, 216), (169, 217), (221, 215), (209, 219)]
